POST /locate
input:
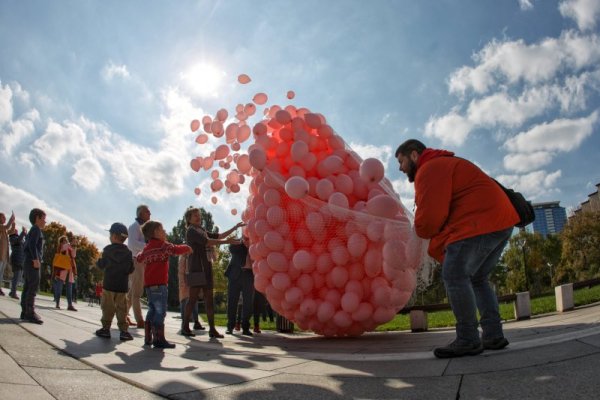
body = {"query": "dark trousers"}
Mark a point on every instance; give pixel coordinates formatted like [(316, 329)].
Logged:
[(17, 273), (259, 307), (31, 278), (244, 285)]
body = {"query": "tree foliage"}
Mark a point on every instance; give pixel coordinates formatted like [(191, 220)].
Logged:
[(580, 248), (87, 254)]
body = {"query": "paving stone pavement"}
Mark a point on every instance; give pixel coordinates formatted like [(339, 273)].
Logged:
[(554, 356)]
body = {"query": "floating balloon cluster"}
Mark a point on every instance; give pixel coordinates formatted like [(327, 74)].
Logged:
[(332, 247)]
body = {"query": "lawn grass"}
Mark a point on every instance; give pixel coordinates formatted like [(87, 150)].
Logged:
[(441, 319)]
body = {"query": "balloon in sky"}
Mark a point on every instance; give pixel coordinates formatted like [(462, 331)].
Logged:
[(333, 249)]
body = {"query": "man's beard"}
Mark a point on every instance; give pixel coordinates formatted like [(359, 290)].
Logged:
[(412, 170)]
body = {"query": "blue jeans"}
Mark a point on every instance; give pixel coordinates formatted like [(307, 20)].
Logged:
[(57, 285), (182, 305), (465, 271), (17, 273), (244, 285), (157, 304)]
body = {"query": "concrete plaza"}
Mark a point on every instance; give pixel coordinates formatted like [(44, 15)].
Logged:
[(555, 356)]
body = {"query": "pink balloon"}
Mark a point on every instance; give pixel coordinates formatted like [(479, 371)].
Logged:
[(195, 125), (299, 150), (249, 109), (195, 164), (325, 312), (216, 185), (331, 165), (260, 99), (344, 184), (214, 174), (303, 261), (243, 133), (371, 170), (363, 312), (296, 187), (383, 206), (275, 216), (324, 189), (283, 117), (202, 138), (243, 163), (197, 191), (274, 241), (272, 197), (234, 212), (222, 115), (217, 128), (342, 319), (373, 262), (350, 302), (294, 295), (244, 79), (324, 263), (221, 152), (281, 281), (308, 307), (313, 120), (339, 276), (357, 245), (258, 159), (340, 255), (260, 129), (277, 262), (213, 200), (306, 283), (290, 94)]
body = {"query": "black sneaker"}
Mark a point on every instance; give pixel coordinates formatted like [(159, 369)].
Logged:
[(198, 326), (34, 319), (124, 336), (247, 332), (455, 349), (103, 333), (495, 344)]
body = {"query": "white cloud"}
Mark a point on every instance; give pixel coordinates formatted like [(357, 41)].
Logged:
[(60, 140), (88, 173), (6, 109), (584, 12), (534, 185), (111, 70), (525, 162), (13, 198), (558, 135), (451, 129), (17, 131), (525, 5), (514, 61), (382, 153)]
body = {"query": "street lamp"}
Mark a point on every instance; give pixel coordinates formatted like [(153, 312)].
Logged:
[(523, 242)]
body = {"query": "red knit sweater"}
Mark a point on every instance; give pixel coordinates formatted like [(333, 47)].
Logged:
[(156, 255)]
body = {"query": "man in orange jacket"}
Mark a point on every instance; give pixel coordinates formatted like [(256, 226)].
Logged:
[(468, 219)]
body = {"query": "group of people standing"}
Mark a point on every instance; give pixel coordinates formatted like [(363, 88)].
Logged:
[(144, 265), (11, 238)]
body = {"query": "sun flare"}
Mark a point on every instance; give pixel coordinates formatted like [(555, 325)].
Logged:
[(203, 79)]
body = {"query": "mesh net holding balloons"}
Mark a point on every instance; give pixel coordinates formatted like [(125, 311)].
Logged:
[(333, 248)]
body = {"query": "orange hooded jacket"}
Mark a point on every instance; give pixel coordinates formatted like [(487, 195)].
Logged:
[(456, 200)]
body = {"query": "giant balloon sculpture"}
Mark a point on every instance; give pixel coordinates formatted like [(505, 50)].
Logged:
[(333, 248)]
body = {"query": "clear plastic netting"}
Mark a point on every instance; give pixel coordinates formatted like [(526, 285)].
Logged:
[(333, 247)]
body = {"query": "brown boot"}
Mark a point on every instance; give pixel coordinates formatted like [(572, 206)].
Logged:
[(159, 338), (147, 333)]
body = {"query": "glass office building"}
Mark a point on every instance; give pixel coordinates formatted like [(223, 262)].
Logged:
[(550, 218)]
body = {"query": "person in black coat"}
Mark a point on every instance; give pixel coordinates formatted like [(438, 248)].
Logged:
[(240, 280), (17, 258)]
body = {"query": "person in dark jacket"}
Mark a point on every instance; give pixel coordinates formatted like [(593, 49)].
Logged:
[(17, 258), (240, 280), (117, 264), (34, 253)]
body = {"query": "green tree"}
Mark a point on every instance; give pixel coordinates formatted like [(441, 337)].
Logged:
[(580, 248), (87, 254)]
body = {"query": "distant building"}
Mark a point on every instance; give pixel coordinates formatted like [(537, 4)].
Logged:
[(591, 204), (550, 218)]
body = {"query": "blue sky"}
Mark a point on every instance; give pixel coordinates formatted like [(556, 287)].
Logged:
[(96, 97)]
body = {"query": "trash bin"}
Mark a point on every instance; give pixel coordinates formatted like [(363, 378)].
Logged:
[(284, 325)]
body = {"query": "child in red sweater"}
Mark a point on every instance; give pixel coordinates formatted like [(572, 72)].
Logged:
[(155, 256)]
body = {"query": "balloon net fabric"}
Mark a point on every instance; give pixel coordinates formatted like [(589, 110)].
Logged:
[(332, 246)]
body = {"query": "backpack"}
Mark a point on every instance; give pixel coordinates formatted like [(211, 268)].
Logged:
[(521, 205)]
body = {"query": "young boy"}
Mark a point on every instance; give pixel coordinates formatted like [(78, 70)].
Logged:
[(155, 256), (117, 263), (34, 251)]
